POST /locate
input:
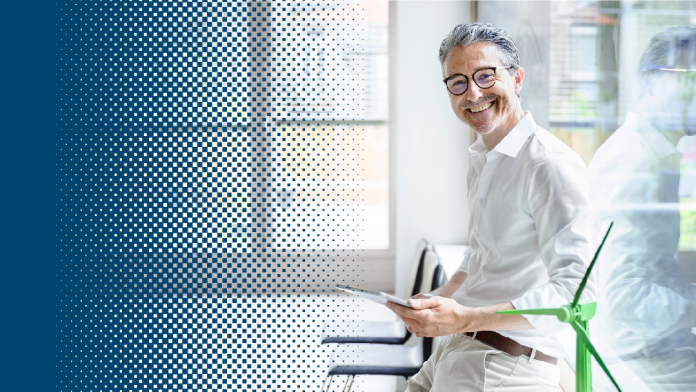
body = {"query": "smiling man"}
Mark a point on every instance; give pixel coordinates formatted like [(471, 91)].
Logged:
[(529, 233)]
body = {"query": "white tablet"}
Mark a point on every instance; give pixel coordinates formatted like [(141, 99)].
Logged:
[(376, 296)]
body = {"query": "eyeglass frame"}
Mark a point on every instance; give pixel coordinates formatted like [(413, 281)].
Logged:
[(495, 71)]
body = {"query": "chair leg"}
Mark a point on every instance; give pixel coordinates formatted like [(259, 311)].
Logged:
[(351, 378), (322, 385)]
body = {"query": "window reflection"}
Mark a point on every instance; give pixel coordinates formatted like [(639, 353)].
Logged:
[(645, 311)]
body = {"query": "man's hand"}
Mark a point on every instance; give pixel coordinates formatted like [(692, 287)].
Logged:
[(433, 315), (438, 316)]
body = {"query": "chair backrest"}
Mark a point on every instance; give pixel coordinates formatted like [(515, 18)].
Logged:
[(414, 284), (433, 277), (415, 276), (426, 275), (433, 273)]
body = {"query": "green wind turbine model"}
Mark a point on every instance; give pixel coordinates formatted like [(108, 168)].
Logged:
[(578, 313)]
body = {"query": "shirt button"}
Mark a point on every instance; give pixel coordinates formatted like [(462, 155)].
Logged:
[(480, 201)]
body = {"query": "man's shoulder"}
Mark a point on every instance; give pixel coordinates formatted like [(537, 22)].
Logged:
[(544, 146), (549, 143)]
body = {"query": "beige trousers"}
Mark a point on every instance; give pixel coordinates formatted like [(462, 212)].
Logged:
[(463, 364)]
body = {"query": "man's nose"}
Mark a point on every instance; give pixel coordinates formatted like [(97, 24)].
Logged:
[(473, 93)]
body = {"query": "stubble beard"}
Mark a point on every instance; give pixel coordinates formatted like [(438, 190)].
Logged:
[(487, 127), (483, 128)]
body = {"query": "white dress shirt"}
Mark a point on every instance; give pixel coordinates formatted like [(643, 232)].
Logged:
[(529, 230)]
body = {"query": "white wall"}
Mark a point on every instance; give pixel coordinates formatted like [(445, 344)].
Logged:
[(432, 145)]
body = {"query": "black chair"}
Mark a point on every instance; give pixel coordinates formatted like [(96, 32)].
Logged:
[(387, 359), (382, 332)]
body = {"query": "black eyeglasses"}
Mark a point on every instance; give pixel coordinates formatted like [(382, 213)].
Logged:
[(484, 78)]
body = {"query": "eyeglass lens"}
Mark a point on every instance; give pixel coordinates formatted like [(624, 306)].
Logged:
[(484, 78)]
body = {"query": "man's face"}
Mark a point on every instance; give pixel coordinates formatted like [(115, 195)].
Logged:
[(671, 104), (499, 102)]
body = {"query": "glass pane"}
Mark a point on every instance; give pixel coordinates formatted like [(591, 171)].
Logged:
[(335, 186), (642, 179), (333, 65), (329, 126)]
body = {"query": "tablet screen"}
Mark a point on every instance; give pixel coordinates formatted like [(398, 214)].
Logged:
[(372, 295)]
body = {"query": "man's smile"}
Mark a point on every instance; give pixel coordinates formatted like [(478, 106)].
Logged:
[(481, 107), (482, 111)]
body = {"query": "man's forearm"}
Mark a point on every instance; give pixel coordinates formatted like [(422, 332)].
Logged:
[(485, 319), (439, 316), (453, 285)]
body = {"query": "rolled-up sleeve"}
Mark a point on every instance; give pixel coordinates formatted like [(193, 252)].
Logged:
[(557, 196), (464, 266)]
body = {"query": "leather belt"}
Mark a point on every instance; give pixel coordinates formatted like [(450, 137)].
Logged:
[(510, 346)]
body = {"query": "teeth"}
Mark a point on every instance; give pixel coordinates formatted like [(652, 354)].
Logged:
[(480, 108)]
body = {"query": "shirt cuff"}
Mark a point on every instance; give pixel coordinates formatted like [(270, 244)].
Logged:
[(464, 266)]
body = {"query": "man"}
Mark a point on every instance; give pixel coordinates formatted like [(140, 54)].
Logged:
[(648, 306), (528, 233)]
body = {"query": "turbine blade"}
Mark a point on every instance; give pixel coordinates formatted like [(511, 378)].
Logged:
[(589, 269), (549, 312), (582, 334)]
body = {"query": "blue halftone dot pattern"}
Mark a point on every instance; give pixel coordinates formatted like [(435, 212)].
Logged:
[(211, 190)]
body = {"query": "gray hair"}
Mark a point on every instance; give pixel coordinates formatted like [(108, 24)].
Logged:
[(672, 48), (466, 34)]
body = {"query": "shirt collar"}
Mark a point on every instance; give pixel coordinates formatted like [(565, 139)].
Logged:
[(512, 143), (477, 153)]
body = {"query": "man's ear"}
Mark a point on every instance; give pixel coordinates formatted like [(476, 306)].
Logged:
[(519, 78)]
